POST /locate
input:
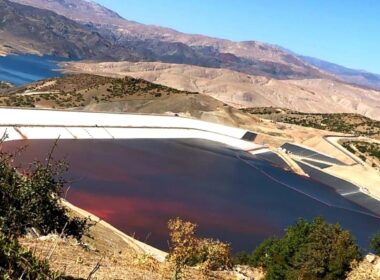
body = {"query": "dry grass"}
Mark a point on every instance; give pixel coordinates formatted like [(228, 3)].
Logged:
[(368, 269), (116, 258), (78, 261)]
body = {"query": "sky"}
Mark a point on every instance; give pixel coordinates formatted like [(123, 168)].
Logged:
[(346, 32)]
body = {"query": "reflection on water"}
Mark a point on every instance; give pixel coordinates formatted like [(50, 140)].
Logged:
[(138, 185)]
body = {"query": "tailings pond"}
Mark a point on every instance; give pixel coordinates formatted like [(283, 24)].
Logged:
[(138, 185)]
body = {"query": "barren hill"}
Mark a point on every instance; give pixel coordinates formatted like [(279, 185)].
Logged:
[(242, 90)]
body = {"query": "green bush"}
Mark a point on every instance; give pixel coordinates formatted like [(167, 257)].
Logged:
[(18, 263), (375, 243), (32, 200), (309, 250)]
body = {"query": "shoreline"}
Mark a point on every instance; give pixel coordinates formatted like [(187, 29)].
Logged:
[(137, 245)]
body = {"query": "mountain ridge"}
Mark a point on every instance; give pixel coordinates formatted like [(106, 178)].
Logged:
[(276, 61), (249, 57)]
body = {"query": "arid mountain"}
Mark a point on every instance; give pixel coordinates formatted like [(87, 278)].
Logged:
[(156, 43), (244, 91), (26, 29), (242, 74), (250, 57)]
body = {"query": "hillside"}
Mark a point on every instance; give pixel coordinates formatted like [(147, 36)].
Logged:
[(96, 93), (73, 91), (245, 91)]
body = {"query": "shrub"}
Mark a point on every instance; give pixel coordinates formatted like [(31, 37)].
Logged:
[(309, 250), (187, 249), (375, 243), (18, 263), (32, 200), (214, 254)]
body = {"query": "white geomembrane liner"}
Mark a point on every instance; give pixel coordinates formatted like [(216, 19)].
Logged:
[(46, 124)]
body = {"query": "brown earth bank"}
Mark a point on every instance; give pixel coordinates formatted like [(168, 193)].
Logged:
[(108, 255), (244, 91), (116, 255)]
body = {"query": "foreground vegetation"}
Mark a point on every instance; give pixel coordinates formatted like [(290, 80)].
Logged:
[(30, 202), (345, 123), (189, 250), (18, 263), (309, 250)]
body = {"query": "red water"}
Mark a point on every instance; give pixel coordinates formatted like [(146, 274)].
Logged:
[(138, 185)]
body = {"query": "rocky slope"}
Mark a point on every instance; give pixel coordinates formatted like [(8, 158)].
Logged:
[(28, 29), (242, 91)]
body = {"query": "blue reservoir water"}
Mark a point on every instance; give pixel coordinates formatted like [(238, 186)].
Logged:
[(138, 185), (23, 69)]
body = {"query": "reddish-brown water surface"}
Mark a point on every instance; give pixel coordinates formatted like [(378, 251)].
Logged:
[(138, 185)]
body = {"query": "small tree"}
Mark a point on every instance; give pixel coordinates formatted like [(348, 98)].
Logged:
[(375, 243), (32, 200), (309, 250), (187, 249), (183, 244)]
